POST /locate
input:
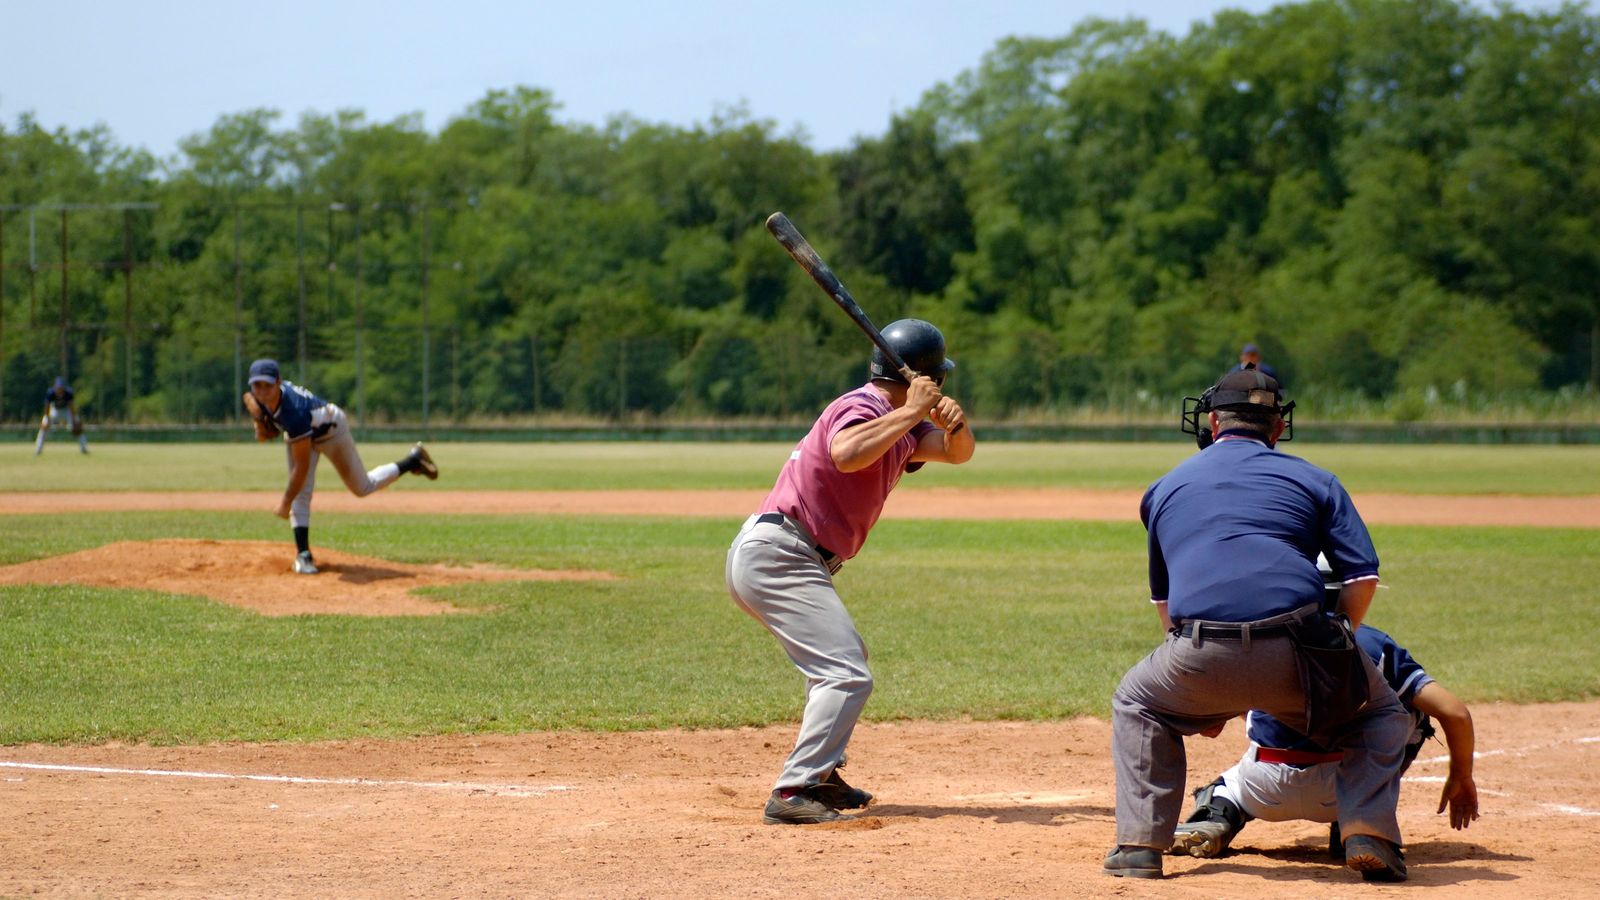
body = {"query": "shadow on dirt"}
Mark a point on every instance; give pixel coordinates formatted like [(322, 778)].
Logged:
[(1005, 815)]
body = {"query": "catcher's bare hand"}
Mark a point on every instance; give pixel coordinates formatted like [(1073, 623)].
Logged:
[(947, 414), (1461, 795), (923, 394)]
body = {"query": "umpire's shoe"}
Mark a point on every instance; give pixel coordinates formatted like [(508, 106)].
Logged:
[(303, 564), (420, 462), (798, 807), (835, 792), (1375, 858), (1132, 861)]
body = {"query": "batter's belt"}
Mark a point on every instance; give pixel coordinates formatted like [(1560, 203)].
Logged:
[(829, 558)]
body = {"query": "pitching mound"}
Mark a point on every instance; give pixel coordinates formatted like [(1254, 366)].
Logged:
[(256, 575)]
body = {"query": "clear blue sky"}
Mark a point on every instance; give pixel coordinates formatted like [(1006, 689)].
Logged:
[(156, 72)]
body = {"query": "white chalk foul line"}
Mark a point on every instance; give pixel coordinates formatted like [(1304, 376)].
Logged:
[(509, 790), (1571, 810), (1515, 751)]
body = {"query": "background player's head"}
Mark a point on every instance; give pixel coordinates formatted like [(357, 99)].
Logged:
[(1250, 353), (919, 344), (266, 382), (60, 385)]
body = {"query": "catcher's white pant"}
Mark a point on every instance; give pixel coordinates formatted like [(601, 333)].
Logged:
[(1275, 792), (775, 575), (340, 449)]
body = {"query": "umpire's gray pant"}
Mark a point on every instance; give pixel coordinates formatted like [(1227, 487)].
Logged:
[(775, 574), (340, 449), (1187, 685)]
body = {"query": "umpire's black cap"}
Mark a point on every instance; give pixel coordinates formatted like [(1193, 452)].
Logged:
[(1247, 389)]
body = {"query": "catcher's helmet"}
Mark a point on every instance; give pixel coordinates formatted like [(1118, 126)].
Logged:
[(1241, 390), (920, 346)]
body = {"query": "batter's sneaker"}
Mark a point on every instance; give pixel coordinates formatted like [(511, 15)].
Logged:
[(1375, 858), (1128, 861), (303, 564), (420, 462), (798, 808), (840, 795)]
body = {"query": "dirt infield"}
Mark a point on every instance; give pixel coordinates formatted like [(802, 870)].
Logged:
[(964, 809), (923, 503), (256, 575), (988, 809)]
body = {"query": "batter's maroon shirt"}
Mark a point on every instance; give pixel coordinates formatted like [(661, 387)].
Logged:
[(839, 508)]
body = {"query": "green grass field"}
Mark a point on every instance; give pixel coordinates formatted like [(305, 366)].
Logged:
[(992, 620), (1427, 469)]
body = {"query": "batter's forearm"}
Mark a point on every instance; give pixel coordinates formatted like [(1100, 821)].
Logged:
[(959, 447), (859, 446)]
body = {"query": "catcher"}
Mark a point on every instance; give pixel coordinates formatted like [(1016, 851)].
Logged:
[(59, 408), (1285, 776), (313, 428)]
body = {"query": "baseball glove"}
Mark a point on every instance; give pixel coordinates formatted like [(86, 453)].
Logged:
[(77, 426), (266, 429)]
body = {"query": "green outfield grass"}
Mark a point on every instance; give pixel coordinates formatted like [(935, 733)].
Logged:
[(1014, 620), (1422, 469)]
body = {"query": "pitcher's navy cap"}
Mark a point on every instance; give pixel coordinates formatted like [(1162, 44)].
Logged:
[(265, 370), (1249, 348)]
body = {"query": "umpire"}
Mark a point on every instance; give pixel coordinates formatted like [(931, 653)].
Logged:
[(1234, 533)]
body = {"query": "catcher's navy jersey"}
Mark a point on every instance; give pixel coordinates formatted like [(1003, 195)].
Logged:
[(301, 413), (1395, 664), (1235, 529)]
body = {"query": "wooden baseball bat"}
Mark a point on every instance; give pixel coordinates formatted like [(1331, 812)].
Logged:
[(801, 250)]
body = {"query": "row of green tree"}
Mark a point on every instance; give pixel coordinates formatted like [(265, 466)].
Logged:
[(1386, 196)]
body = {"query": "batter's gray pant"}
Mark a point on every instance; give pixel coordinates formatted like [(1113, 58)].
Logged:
[(775, 574), (1187, 685), (340, 449)]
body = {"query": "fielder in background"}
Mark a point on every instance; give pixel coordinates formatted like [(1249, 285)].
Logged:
[(1285, 776), (1250, 355), (313, 428), (1233, 535), (59, 409), (827, 497)]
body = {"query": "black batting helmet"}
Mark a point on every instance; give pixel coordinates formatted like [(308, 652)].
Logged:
[(920, 346)]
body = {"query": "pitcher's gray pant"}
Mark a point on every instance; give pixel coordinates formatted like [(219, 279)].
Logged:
[(1187, 685), (775, 574), (340, 449)]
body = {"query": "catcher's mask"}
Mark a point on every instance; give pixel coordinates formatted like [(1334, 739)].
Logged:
[(1245, 390), (921, 347)]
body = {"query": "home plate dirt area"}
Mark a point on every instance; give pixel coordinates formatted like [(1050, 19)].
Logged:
[(988, 809)]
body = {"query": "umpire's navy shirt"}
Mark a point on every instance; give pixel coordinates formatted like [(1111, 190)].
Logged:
[(1234, 533)]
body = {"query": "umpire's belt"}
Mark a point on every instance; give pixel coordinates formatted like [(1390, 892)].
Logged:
[(778, 518), (1281, 625), (1224, 631)]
